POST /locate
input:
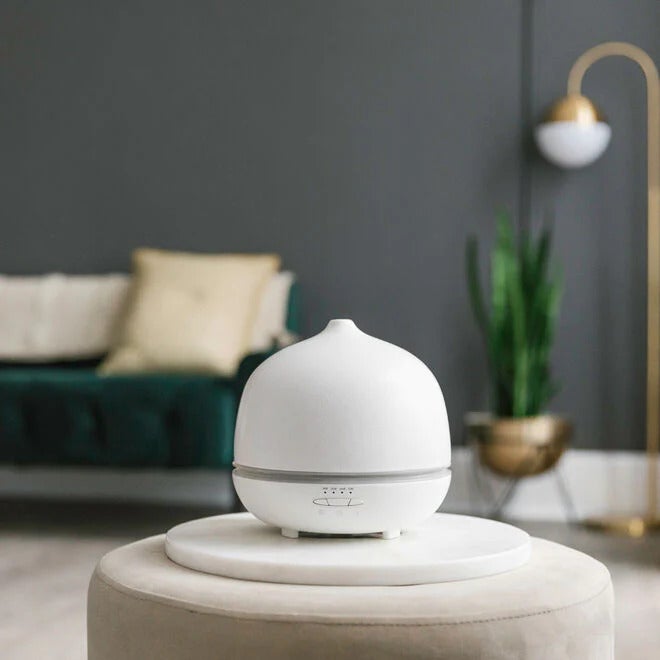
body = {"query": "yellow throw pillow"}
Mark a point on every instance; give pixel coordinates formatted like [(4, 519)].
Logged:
[(190, 312)]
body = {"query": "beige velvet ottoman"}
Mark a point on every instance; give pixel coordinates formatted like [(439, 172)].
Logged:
[(141, 606)]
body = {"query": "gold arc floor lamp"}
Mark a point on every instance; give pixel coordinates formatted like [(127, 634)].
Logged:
[(574, 133)]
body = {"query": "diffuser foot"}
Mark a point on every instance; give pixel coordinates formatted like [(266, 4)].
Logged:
[(290, 533), (391, 534)]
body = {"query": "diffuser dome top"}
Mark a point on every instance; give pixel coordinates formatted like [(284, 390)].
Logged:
[(342, 402)]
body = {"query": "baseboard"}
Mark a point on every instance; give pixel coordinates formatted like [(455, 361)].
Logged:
[(599, 482), (180, 486)]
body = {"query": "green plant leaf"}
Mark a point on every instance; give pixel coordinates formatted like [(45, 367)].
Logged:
[(474, 284), (519, 331), (519, 339)]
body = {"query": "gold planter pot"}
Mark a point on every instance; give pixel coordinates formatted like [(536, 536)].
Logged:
[(518, 447)]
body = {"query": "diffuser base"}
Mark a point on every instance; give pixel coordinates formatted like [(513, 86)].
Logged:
[(444, 548)]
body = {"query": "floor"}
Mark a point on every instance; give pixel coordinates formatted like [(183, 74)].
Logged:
[(48, 551)]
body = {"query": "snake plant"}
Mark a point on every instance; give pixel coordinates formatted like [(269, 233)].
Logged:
[(518, 325)]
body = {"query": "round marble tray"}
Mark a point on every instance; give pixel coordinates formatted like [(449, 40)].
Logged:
[(445, 548)]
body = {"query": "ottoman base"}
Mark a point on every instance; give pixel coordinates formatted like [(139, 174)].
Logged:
[(141, 605)]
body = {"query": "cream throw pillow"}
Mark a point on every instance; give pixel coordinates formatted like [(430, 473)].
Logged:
[(190, 312)]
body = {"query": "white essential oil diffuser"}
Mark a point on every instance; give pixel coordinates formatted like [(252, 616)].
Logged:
[(342, 434)]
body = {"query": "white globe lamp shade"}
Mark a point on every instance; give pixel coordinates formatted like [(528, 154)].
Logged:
[(570, 144), (574, 133)]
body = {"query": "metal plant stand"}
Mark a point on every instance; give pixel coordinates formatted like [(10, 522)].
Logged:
[(501, 500)]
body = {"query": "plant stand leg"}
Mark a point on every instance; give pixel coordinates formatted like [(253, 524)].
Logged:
[(505, 498), (565, 497), (478, 481), (487, 493)]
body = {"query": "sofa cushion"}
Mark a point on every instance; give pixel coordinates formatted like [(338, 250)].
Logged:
[(73, 416)]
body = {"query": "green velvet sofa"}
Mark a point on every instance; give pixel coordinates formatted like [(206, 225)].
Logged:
[(67, 414)]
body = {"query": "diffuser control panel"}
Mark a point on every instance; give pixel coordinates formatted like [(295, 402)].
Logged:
[(338, 496), (337, 501)]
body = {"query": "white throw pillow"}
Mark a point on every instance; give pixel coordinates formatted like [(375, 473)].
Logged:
[(59, 317), (270, 324)]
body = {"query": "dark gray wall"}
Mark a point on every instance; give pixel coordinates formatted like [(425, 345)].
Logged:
[(361, 140)]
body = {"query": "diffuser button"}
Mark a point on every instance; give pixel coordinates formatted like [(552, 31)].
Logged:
[(338, 501)]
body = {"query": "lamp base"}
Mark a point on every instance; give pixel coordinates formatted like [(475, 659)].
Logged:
[(632, 526)]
